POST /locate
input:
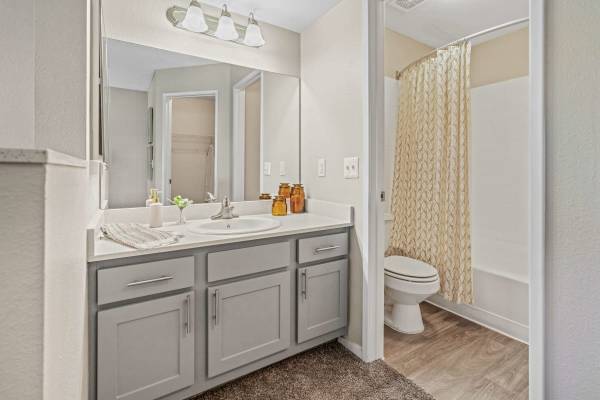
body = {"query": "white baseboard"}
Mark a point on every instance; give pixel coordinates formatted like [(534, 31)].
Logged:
[(352, 347), (497, 323)]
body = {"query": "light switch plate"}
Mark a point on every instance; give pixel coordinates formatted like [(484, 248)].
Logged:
[(351, 168), (281, 168), (267, 168), (321, 167)]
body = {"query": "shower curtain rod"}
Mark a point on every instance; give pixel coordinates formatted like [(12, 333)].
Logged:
[(469, 37)]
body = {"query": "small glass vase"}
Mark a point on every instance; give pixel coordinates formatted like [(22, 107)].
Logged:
[(181, 217)]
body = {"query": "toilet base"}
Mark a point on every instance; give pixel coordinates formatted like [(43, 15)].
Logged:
[(405, 318)]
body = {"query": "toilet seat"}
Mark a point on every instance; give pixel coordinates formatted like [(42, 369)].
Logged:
[(409, 270)]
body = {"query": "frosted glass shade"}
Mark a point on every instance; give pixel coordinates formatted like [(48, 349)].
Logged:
[(226, 29), (253, 36), (194, 19)]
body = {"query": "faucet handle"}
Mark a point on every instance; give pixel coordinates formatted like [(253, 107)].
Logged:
[(210, 198)]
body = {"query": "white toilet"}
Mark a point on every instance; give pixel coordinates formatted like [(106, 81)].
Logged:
[(408, 282)]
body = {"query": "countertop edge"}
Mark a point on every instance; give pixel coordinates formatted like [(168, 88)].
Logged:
[(223, 241)]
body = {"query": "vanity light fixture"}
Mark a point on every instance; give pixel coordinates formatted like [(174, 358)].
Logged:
[(226, 28), (194, 18), (253, 35)]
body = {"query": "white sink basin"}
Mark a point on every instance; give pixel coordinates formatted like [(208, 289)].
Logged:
[(235, 226)]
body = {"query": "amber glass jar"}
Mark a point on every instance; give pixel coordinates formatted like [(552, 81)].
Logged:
[(285, 190), (265, 196), (279, 208), (297, 199)]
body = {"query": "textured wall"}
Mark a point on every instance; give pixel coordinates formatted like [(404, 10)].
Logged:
[(332, 124), (61, 79), (16, 74), (573, 200), (21, 281), (65, 274)]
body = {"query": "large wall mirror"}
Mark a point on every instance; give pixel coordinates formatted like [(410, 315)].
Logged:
[(192, 126)]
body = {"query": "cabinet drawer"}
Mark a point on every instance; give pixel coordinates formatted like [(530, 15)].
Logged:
[(322, 247), (137, 280), (250, 260)]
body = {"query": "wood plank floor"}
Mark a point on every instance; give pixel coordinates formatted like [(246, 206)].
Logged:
[(455, 359)]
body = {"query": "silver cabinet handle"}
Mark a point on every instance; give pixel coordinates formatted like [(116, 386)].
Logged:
[(304, 284), (328, 248), (216, 306), (188, 312), (147, 281)]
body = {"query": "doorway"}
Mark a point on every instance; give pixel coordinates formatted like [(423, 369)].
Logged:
[(373, 337), (192, 122)]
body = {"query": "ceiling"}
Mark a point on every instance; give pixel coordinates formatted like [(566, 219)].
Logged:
[(131, 66), (295, 15), (438, 22)]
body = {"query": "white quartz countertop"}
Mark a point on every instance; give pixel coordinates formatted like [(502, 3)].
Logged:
[(106, 249)]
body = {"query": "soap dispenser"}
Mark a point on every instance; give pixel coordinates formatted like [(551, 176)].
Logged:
[(156, 217)]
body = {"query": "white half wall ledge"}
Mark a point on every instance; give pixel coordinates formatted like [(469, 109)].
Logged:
[(39, 156)]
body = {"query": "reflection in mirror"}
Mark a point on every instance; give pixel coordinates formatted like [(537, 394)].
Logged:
[(195, 127)]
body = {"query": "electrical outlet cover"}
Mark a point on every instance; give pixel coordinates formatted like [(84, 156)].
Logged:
[(281, 168)]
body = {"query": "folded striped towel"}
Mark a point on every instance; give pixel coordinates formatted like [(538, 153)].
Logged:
[(137, 235)]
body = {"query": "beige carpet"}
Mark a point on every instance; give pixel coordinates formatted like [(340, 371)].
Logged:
[(328, 372)]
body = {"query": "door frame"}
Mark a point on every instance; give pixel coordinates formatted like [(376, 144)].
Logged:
[(239, 133), (373, 285), (167, 103)]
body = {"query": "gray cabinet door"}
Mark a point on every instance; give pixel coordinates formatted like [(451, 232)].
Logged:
[(248, 320), (146, 350), (322, 299)]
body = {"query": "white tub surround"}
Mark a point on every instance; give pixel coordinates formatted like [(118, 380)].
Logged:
[(321, 216)]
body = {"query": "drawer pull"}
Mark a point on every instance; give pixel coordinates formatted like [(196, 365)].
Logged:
[(328, 248), (147, 281), (188, 316), (216, 306), (304, 284)]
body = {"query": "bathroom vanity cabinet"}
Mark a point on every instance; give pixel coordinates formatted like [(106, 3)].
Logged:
[(175, 324)]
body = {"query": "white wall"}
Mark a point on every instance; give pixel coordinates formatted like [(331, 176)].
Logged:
[(21, 283), (17, 66), (281, 129), (44, 45), (573, 200), (143, 22), (332, 124), (127, 124), (43, 285), (43, 75)]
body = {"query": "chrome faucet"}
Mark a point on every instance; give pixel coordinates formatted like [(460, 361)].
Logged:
[(226, 210)]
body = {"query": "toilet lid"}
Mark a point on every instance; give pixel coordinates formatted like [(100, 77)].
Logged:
[(404, 266)]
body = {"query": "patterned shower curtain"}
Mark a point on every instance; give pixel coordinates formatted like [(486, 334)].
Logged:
[(430, 197)]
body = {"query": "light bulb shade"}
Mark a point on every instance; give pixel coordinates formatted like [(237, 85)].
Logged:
[(253, 36), (194, 19), (226, 29)]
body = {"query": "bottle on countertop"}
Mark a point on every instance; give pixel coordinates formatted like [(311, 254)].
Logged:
[(155, 208), (297, 199)]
